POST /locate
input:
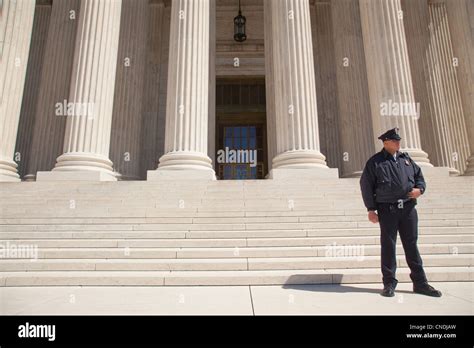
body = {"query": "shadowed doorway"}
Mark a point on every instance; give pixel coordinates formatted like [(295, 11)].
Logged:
[(241, 139)]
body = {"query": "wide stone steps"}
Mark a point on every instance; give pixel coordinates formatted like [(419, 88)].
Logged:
[(221, 210), (291, 217), (241, 277), (221, 233), (235, 252), (230, 242), (460, 260)]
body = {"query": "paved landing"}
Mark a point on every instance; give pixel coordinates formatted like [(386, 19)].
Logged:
[(458, 298)]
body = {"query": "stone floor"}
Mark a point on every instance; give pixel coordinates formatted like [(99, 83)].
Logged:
[(458, 298)]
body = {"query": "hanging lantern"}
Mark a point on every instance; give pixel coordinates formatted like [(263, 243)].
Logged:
[(239, 27)]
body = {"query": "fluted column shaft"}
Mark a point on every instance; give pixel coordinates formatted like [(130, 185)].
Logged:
[(461, 23), (186, 130), (295, 109), (388, 68), (24, 149), (354, 121), (125, 149), (48, 132), (16, 23), (87, 136)]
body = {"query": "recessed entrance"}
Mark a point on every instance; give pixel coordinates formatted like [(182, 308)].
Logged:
[(241, 140)]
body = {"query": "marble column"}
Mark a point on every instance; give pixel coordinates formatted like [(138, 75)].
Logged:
[(16, 23), (353, 102), (211, 146), (125, 151), (448, 86), (294, 92), (91, 95), (24, 149), (435, 84), (154, 93), (48, 132), (390, 83), (461, 23), (186, 132), (269, 88), (325, 82)]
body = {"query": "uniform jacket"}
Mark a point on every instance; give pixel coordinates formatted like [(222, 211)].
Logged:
[(386, 180)]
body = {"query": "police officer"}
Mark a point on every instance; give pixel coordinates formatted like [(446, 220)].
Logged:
[(390, 184)]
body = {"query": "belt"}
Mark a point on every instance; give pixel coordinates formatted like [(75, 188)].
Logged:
[(396, 205)]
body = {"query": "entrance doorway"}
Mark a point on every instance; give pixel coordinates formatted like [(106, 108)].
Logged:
[(241, 140)]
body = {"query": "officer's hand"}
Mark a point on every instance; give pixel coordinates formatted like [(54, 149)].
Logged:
[(373, 217), (414, 193)]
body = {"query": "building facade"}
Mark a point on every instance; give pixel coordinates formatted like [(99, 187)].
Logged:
[(144, 89)]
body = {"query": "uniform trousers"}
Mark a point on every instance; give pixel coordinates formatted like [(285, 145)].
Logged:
[(401, 218)]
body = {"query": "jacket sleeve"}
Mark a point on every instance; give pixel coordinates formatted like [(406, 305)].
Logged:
[(367, 186), (419, 179)]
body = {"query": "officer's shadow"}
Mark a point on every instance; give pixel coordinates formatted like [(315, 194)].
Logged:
[(335, 287)]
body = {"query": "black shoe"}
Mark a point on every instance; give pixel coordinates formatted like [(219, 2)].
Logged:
[(426, 289), (388, 291)]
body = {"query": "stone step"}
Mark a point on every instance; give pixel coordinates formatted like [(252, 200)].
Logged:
[(225, 226), (308, 194), (222, 234), (315, 263), (188, 278), (209, 243), (28, 252), (131, 194), (54, 214), (218, 186), (210, 185), (223, 195), (234, 202), (211, 220), (260, 211)]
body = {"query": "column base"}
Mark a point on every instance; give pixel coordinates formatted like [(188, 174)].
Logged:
[(298, 174), (79, 166), (300, 159), (419, 156), (8, 171), (185, 160), (183, 165)]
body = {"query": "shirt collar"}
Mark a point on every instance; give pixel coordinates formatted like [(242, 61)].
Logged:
[(386, 153)]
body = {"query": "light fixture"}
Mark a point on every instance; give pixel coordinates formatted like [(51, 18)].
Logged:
[(239, 27)]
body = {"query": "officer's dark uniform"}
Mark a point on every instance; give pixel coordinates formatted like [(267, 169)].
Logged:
[(385, 183)]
